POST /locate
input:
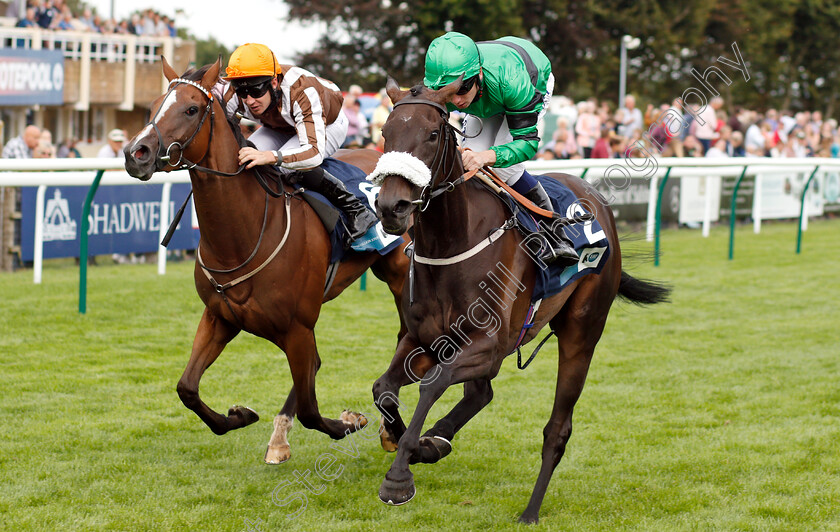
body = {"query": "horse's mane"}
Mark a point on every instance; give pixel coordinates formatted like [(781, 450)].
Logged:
[(268, 171)]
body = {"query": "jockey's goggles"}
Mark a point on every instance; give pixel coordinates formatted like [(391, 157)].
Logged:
[(254, 91), (467, 85)]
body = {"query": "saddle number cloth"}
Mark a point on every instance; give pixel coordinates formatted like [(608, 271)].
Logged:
[(588, 238)]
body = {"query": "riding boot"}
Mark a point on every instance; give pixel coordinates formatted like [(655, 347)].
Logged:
[(359, 218), (559, 247)]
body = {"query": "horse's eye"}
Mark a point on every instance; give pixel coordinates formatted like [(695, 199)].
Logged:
[(434, 136), (192, 111)]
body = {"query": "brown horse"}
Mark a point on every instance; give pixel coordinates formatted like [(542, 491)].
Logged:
[(262, 272), (462, 326)]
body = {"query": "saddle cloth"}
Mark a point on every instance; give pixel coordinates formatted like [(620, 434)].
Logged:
[(334, 220), (588, 238)]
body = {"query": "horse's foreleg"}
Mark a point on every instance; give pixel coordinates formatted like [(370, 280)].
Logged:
[(386, 390), (576, 341), (302, 354), (211, 338), (436, 442), (398, 486)]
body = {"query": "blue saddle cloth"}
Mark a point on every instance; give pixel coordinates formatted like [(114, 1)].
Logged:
[(588, 238), (376, 239)]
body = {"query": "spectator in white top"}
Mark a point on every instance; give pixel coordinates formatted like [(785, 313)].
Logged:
[(87, 20), (114, 148), (632, 120), (717, 150), (566, 108), (149, 27), (754, 141), (161, 27)]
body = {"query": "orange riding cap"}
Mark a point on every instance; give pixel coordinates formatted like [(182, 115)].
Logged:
[(252, 60)]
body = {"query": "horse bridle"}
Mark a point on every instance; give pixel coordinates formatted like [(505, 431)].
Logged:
[(441, 158), (164, 155)]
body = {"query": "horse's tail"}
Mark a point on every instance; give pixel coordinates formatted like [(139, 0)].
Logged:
[(641, 291)]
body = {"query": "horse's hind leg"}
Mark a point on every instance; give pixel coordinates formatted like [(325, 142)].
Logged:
[(302, 354), (576, 339), (211, 338), (392, 269), (278, 450)]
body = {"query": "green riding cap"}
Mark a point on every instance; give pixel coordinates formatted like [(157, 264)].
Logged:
[(448, 57)]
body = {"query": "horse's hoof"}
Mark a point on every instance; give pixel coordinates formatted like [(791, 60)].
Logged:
[(529, 520), (397, 492), (277, 455), (243, 413), (354, 418), (431, 450), (387, 440)]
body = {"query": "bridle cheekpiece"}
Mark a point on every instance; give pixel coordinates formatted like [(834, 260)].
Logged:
[(164, 157)]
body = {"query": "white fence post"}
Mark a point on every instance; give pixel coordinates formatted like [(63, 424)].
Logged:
[(757, 205), (707, 211), (651, 213), (165, 220), (38, 252)]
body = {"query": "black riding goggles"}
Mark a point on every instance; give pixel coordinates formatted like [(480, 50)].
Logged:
[(254, 91), (467, 85)]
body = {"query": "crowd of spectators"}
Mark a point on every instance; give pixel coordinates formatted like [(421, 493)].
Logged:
[(37, 143), (593, 129), (56, 15), (590, 129)]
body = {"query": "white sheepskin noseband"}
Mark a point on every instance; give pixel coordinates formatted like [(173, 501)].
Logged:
[(401, 164)]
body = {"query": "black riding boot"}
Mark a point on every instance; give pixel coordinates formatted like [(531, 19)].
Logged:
[(360, 219), (559, 247)]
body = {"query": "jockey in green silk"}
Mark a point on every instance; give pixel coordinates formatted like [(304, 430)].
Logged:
[(506, 87)]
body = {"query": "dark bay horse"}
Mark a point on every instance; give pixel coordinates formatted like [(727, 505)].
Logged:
[(472, 295), (262, 262)]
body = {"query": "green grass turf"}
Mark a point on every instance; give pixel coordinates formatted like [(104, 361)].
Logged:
[(719, 411)]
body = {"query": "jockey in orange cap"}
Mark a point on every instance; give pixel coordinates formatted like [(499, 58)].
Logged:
[(302, 123)]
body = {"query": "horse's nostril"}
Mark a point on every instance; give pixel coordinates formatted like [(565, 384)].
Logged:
[(402, 207), (142, 152)]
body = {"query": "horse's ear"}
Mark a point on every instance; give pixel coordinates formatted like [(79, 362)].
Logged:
[(168, 71), (211, 77), (393, 90), (445, 94)]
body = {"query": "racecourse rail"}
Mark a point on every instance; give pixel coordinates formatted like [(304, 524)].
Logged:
[(95, 172)]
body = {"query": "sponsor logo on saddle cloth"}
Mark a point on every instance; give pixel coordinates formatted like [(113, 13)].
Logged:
[(589, 258)]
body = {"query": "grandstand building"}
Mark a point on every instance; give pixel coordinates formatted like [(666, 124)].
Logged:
[(81, 84)]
